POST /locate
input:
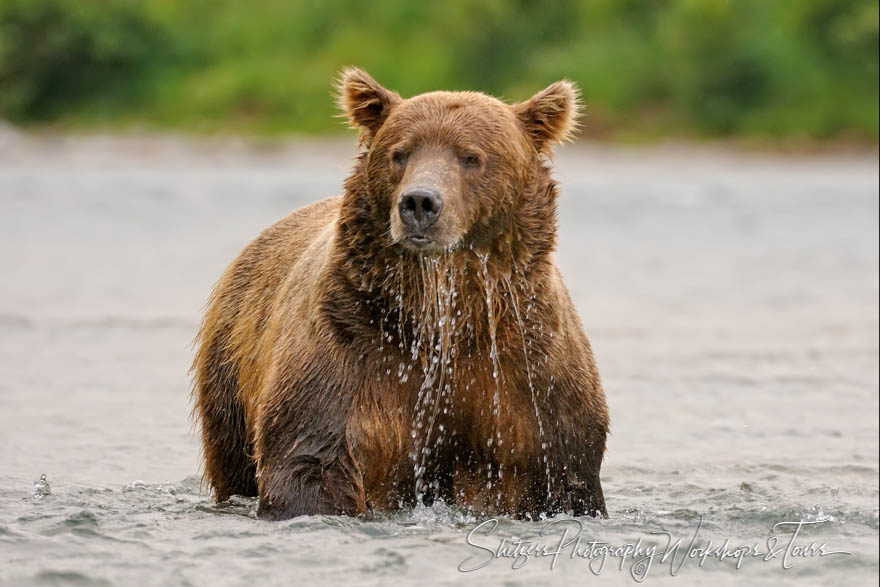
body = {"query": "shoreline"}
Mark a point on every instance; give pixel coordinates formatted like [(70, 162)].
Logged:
[(148, 148)]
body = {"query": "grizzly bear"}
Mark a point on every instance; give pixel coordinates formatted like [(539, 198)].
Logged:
[(411, 340)]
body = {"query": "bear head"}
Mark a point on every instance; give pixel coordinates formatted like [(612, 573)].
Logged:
[(450, 170)]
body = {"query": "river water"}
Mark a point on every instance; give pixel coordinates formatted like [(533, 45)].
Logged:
[(731, 300)]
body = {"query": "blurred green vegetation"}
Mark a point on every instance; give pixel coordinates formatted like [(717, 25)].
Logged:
[(747, 68)]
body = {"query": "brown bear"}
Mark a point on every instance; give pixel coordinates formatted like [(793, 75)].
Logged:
[(412, 339)]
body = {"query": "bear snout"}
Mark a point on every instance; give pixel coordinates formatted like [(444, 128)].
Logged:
[(419, 208)]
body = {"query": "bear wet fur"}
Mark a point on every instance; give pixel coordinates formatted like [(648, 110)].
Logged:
[(383, 347)]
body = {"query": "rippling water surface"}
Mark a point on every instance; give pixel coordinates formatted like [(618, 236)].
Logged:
[(731, 301)]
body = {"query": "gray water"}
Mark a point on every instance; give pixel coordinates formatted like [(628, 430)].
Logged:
[(731, 301)]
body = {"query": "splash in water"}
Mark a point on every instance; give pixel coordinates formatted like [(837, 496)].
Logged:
[(42, 487)]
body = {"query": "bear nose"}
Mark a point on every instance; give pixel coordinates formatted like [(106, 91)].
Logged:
[(420, 207)]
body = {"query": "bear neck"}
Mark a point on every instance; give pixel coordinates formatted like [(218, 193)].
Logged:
[(485, 294)]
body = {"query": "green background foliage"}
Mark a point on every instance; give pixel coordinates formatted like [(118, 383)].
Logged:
[(777, 69)]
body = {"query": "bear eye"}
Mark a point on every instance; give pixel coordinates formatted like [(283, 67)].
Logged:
[(470, 160), (399, 156)]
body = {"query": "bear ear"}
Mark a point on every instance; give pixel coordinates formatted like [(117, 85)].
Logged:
[(550, 116), (364, 101)]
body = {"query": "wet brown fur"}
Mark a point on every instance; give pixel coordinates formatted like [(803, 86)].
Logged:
[(316, 355)]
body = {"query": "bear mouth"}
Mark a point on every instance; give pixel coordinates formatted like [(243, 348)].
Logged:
[(419, 241)]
